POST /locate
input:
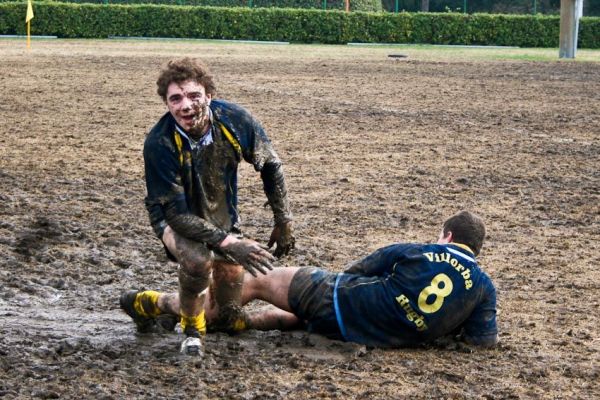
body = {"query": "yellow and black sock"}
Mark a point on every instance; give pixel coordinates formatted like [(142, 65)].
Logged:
[(194, 323), (146, 304)]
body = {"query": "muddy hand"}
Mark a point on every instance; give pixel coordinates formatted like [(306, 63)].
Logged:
[(249, 255), (283, 235), (201, 117)]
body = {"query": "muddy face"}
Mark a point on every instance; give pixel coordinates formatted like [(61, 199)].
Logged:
[(188, 103), (201, 118)]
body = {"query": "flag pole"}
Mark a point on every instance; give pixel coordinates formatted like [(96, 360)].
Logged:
[(28, 18)]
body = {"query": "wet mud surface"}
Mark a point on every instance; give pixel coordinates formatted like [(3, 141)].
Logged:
[(376, 150)]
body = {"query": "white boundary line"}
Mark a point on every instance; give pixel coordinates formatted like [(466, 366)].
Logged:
[(25, 36), (432, 45), (195, 39)]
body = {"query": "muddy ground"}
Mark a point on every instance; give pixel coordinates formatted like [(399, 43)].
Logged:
[(376, 150)]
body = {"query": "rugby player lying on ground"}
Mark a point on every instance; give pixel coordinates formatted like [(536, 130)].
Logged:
[(401, 295)]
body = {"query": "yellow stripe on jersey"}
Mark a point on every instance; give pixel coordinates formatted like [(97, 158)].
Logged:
[(231, 139), (179, 144), (463, 246)]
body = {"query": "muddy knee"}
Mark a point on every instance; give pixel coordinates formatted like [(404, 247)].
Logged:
[(195, 265), (228, 273), (226, 285), (191, 255), (193, 283), (196, 261), (226, 292)]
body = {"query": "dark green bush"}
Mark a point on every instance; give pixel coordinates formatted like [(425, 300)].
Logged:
[(356, 5), (293, 25)]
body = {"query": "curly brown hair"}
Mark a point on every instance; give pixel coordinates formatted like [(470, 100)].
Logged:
[(182, 70), (467, 228)]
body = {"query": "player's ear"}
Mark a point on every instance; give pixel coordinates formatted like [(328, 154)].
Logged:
[(445, 237), (449, 236), (209, 97)]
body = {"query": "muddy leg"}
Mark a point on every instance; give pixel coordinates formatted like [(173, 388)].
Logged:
[(195, 264), (192, 290), (272, 317), (168, 303), (225, 308)]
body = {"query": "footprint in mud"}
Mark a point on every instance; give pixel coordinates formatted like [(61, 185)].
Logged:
[(42, 232)]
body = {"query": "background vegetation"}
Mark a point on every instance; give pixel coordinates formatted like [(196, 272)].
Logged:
[(68, 20), (590, 7)]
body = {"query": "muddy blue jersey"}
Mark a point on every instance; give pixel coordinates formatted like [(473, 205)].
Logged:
[(200, 177), (406, 294)]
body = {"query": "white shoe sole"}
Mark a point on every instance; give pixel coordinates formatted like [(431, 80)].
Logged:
[(192, 346)]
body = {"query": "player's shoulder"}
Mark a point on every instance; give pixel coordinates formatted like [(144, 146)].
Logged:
[(228, 112), (404, 250), (486, 283), (418, 248), (166, 124), (163, 128)]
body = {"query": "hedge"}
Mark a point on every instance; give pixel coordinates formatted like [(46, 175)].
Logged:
[(292, 25), (355, 5)]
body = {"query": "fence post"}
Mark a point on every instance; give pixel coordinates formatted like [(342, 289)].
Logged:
[(396, 7), (569, 22), (324, 4), (534, 7), (465, 7)]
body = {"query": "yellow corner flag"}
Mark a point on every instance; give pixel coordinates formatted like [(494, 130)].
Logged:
[(29, 16), (28, 19)]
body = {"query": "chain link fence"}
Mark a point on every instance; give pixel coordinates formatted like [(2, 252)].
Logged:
[(590, 7)]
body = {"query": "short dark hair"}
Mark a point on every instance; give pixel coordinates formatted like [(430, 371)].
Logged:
[(467, 228), (182, 70)]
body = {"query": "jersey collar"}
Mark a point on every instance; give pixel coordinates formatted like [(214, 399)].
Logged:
[(211, 120), (463, 246)]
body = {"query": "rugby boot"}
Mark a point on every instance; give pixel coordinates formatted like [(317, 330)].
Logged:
[(192, 345), (140, 307), (168, 322)]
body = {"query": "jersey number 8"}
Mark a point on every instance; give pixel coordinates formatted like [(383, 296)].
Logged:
[(435, 290)]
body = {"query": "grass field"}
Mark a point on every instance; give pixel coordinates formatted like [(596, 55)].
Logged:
[(426, 52)]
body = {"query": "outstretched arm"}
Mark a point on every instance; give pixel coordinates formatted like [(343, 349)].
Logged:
[(480, 328), (258, 150), (245, 252), (194, 228), (276, 192)]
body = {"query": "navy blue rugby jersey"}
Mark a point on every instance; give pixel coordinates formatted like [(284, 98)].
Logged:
[(406, 294), (200, 178)]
